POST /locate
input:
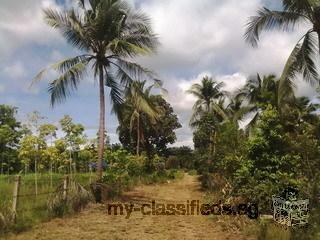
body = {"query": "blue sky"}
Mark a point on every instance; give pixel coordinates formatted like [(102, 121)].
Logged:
[(198, 37)]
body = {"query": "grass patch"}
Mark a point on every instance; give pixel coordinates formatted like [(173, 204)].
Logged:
[(193, 172), (31, 209)]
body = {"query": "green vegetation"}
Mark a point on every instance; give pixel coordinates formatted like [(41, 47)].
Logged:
[(32, 208), (277, 149)]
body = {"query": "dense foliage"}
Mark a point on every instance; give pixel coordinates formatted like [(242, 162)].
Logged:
[(276, 150)]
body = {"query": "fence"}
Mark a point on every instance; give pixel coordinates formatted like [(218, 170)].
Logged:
[(26, 196)]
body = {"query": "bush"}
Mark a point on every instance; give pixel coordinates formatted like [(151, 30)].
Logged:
[(180, 157), (77, 198), (6, 220), (172, 162), (193, 172)]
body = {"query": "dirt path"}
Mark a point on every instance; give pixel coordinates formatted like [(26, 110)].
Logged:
[(95, 224)]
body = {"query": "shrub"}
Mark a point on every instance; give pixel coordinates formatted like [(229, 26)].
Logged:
[(193, 172), (77, 198), (172, 162), (6, 220)]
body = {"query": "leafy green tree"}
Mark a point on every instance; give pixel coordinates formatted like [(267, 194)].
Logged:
[(48, 132), (34, 120), (30, 152), (108, 33), (303, 59), (74, 136), (63, 161), (269, 166), (156, 135), (10, 134), (183, 155), (206, 127)]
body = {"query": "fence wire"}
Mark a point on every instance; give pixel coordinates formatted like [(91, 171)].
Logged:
[(28, 201)]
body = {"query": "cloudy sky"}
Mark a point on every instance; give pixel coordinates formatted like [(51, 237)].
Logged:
[(203, 37)]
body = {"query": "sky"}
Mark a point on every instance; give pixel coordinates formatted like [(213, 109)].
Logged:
[(198, 38)]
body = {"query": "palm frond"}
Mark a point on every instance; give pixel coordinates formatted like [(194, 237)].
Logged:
[(66, 64), (239, 115), (60, 88), (301, 60), (62, 66), (303, 7), (219, 110), (269, 20), (116, 95), (70, 25), (127, 71)]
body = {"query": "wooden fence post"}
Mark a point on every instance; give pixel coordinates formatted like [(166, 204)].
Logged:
[(16, 190), (65, 187)]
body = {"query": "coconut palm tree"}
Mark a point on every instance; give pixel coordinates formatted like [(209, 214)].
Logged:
[(108, 33), (258, 93), (138, 102), (303, 59), (209, 107), (209, 95), (235, 109)]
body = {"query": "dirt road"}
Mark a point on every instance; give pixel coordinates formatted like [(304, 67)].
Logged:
[(95, 224)]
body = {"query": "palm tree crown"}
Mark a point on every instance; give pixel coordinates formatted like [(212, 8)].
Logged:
[(258, 93), (209, 95)]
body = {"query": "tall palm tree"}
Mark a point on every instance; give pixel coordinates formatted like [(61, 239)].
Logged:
[(258, 93), (208, 95), (235, 109), (303, 58), (208, 107), (138, 102), (107, 32)]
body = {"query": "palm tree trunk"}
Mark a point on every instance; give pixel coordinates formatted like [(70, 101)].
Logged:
[(138, 136), (318, 41), (211, 145), (214, 142), (101, 124)]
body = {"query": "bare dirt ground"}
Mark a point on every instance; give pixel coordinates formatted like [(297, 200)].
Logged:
[(95, 224)]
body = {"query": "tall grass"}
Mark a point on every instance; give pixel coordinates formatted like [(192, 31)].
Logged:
[(32, 208)]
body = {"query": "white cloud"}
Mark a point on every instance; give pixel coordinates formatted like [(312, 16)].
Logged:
[(2, 88), (56, 56), (22, 23), (206, 36), (18, 75), (15, 71)]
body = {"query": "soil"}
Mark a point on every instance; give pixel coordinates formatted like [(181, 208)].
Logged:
[(95, 224)]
